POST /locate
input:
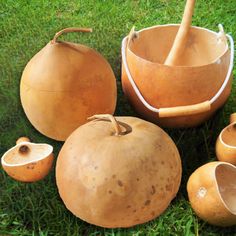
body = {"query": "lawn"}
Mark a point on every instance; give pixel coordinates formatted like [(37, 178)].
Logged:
[(25, 27)]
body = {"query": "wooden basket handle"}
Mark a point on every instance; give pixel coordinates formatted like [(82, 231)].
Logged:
[(185, 110)]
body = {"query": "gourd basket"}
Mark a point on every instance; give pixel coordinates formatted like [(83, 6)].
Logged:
[(177, 96)]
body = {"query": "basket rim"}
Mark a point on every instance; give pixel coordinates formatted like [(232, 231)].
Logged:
[(217, 60)]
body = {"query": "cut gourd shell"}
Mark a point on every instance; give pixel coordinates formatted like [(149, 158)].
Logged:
[(212, 193), (28, 162), (183, 95), (226, 142)]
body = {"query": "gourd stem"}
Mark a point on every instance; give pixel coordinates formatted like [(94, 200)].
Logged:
[(22, 139), (70, 30), (111, 118)]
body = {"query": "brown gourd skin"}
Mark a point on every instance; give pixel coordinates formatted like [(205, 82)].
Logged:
[(207, 202), (118, 181), (196, 80), (63, 84)]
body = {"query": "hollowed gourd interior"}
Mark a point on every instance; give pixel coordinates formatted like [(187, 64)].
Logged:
[(31, 152), (228, 135), (202, 47), (226, 180)]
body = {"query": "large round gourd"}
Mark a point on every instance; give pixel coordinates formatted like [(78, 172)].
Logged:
[(63, 84), (119, 173)]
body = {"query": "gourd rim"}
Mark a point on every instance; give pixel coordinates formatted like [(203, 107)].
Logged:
[(48, 153), (221, 139), (178, 66)]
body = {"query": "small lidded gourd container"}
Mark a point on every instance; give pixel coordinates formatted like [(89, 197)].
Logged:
[(28, 162), (226, 142)]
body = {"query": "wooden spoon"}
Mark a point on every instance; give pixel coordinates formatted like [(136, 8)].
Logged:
[(182, 36)]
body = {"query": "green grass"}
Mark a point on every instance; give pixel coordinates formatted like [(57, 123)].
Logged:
[(25, 27)]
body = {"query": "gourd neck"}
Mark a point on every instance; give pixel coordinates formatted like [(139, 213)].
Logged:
[(24, 149), (69, 30), (233, 118)]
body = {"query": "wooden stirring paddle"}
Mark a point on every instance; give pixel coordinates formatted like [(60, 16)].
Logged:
[(182, 35)]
